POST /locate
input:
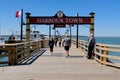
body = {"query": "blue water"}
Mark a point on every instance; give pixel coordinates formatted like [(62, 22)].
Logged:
[(104, 40), (2, 40), (3, 58)]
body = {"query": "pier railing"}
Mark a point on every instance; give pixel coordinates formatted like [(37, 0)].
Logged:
[(103, 53), (18, 52)]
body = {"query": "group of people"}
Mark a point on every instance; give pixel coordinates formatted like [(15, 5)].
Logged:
[(66, 43)]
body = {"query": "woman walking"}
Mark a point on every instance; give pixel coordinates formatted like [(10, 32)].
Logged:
[(60, 40), (51, 45)]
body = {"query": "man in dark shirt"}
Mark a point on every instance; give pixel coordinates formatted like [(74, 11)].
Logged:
[(91, 44)]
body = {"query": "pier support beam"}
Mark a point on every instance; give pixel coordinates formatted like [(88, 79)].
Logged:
[(92, 23)]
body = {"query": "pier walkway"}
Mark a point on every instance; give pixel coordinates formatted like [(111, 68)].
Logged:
[(58, 67)]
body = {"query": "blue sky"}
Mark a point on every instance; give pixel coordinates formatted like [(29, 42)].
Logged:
[(107, 14)]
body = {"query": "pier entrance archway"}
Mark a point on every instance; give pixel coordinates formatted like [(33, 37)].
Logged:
[(60, 19)]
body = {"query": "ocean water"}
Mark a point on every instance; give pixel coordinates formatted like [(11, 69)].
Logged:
[(103, 40)]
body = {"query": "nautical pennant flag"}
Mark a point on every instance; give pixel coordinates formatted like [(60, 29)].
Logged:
[(18, 14)]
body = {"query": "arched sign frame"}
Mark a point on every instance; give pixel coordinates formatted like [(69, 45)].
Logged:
[(59, 19)]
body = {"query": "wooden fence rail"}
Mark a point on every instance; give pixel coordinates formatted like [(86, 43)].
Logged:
[(102, 53), (17, 52)]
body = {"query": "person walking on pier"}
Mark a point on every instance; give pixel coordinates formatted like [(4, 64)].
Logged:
[(67, 44), (51, 45), (91, 44), (56, 40), (60, 40)]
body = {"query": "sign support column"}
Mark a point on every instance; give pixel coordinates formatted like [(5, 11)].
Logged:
[(28, 32), (27, 27), (92, 23)]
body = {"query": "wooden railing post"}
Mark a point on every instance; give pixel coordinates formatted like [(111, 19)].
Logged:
[(42, 44), (12, 55), (101, 52), (105, 52), (96, 50)]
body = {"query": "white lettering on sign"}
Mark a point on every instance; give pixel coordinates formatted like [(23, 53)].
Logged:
[(66, 20)]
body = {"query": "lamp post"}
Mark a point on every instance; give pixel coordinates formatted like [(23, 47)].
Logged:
[(55, 32), (49, 31), (77, 34), (70, 32), (34, 31)]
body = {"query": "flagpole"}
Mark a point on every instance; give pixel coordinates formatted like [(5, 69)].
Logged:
[(21, 24)]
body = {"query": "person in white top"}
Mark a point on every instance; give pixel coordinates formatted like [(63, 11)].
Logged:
[(67, 44)]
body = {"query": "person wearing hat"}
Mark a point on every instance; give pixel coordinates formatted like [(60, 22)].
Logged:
[(91, 44)]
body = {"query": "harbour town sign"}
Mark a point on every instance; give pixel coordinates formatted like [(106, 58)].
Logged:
[(59, 19), (49, 20)]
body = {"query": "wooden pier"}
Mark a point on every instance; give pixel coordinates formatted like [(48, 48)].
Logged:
[(58, 67)]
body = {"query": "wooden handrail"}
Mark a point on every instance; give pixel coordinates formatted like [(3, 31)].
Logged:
[(17, 52), (101, 52)]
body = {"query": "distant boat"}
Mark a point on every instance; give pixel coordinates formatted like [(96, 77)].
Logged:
[(35, 34)]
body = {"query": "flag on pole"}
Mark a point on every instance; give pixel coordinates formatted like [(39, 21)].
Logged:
[(18, 14)]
